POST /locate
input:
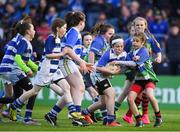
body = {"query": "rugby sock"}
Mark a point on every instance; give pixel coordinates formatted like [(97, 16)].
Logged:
[(85, 112), (117, 105), (71, 107), (105, 120), (28, 113), (110, 118), (55, 110), (157, 114), (145, 104), (103, 112), (138, 118), (78, 108), (18, 110), (17, 104)]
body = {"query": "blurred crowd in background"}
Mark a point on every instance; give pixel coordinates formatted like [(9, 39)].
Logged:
[(163, 18)]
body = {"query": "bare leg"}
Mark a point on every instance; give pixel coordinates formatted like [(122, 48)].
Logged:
[(77, 87)]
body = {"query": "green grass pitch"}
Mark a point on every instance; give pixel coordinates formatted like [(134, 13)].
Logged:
[(171, 117)]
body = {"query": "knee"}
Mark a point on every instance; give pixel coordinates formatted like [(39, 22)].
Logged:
[(93, 94), (110, 93), (81, 88)]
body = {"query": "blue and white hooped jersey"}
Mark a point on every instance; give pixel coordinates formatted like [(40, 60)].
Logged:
[(110, 56), (50, 66), (18, 45), (14, 41)]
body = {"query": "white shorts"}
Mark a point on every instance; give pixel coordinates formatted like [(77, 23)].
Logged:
[(43, 80), (4, 81), (97, 77), (67, 67), (14, 76)]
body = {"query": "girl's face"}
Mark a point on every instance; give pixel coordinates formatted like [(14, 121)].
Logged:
[(31, 31), (132, 31), (140, 26), (137, 43), (87, 40), (62, 30), (109, 34), (118, 47), (82, 25)]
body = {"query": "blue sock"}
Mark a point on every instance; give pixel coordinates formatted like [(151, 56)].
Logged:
[(17, 104), (55, 110), (110, 118), (28, 114), (85, 111), (78, 108), (71, 107)]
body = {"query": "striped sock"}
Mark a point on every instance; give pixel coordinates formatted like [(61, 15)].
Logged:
[(78, 108), (117, 105), (71, 107), (145, 103), (110, 118), (28, 113), (55, 110), (85, 112), (17, 104), (103, 112)]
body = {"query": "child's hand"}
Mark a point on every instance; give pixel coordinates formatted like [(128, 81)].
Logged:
[(136, 58), (91, 67), (29, 73), (112, 63), (158, 59), (116, 70)]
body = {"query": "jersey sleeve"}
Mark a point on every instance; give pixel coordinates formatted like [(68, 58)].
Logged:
[(49, 45), (104, 59), (96, 46), (129, 57), (71, 38), (144, 56), (154, 46), (78, 51), (21, 47), (127, 45)]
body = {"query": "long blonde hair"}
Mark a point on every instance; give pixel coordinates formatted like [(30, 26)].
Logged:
[(146, 31)]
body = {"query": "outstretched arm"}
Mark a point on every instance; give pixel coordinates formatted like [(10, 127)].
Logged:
[(126, 63)]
